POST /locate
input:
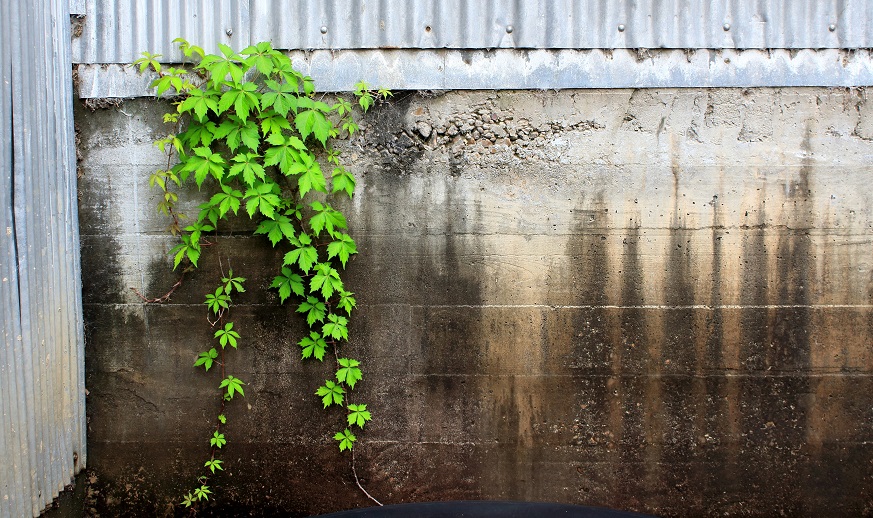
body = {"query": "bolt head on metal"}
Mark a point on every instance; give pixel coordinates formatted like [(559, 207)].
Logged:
[(228, 31), (509, 29), (621, 27), (726, 27), (324, 29), (832, 27)]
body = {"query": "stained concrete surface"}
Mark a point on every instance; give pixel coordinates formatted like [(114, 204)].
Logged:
[(652, 300)]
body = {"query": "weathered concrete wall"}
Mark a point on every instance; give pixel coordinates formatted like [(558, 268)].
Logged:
[(656, 300)]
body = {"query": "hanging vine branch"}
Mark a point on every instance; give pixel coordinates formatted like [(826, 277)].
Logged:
[(249, 130)]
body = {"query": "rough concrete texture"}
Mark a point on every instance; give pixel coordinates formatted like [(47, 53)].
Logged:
[(652, 300)]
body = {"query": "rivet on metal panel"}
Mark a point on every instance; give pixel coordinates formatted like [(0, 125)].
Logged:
[(726, 26), (228, 31), (324, 29), (621, 27), (509, 29), (832, 27)]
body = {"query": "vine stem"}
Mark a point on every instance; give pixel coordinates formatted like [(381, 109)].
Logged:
[(165, 297), (358, 482)]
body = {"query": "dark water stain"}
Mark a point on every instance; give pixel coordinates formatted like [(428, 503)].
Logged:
[(102, 278), (633, 414), (676, 395), (449, 285), (596, 432), (776, 342)]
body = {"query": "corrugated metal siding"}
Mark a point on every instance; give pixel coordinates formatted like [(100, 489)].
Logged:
[(42, 393), (116, 31)]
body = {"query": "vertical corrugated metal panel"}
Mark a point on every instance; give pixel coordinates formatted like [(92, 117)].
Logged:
[(131, 27), (116, 32), (42, 393)]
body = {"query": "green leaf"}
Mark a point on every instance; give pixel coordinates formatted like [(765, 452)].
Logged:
[(199, 133), (206, 359), (233, 283), (331, 393), (263, 198), (226, 200), (187, 49), (200, 101), (343, 247), (222, 419), (243, 98), (227, 336), (325, 217), (309, 174), (148, 60), (336, 327), (304, 255), (276, 229), (235, 130), (346, 302), (325, 279), (287, 283), (189, 499), (203, 163), (260, 56), (346, 439), (213, 465), (282, 97), (202, 492), (350, 126), (248, 165), (342, 107), (187, 248), (218, 300), (366, 101), (358, 415), (284, 152), (314, 309), (197, 229), (348, 373), (343, 181), (273, 122), (221, 66), (312, 122), (232, 385), (313, 345), (217, 440), (171, 78)]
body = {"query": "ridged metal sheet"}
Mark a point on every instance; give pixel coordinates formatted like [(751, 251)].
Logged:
[(42, 392), (116, 31)]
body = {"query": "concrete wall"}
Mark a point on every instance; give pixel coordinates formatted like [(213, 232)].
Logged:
[(656, 300)]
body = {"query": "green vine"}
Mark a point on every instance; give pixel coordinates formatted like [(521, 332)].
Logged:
[(249, 130)]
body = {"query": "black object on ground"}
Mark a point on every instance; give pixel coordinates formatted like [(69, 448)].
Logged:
[(483, 509)]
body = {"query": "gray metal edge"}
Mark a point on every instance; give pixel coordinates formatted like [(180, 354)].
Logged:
[(539, 69)]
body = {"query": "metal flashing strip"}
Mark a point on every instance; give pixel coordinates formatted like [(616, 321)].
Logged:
[(506, 69)]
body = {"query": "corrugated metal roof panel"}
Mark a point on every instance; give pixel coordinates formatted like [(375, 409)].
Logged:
[(42, 393), (116, 32)]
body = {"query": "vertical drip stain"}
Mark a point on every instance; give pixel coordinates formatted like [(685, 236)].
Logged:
[(678, 392), (632, 412)]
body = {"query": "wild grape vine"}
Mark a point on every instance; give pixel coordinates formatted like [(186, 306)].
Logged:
[(249, 130)]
